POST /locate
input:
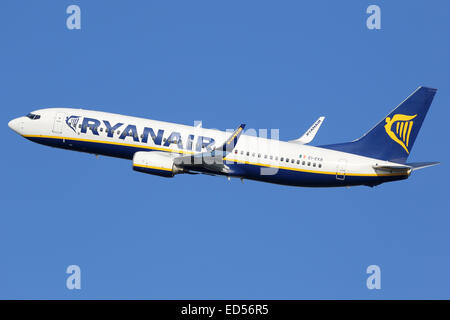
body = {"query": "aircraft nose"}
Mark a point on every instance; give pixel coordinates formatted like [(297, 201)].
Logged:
[(11, 124), (14, 125)]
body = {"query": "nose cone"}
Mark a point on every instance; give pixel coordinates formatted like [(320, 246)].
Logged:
[(11, 124), (14, 125)]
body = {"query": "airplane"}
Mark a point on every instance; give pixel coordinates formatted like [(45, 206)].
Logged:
[(167, 149)]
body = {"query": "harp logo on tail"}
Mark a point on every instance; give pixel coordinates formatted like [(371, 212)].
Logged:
[(399, 128)]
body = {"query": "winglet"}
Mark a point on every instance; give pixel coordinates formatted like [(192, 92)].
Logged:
[(229, 145), (309, 135), (212, 160)]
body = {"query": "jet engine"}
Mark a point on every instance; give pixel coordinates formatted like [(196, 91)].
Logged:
[(155, 162)]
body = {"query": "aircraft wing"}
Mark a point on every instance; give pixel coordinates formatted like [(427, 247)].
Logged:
[(309, 135), (211, 161)]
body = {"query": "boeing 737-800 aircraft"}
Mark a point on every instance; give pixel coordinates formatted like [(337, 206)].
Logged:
[(166, 149)]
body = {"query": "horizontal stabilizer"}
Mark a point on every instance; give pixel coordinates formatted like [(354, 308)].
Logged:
[(309, 135), (421, 165), (405, 167), (393, 168)]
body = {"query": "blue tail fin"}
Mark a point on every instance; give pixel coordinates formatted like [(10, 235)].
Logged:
[(393, 137)]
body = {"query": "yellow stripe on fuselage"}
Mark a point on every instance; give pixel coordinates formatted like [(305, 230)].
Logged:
[(227, 159), (314, 171), (112, 142)]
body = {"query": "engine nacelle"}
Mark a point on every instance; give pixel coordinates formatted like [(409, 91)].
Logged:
[(154, 162)]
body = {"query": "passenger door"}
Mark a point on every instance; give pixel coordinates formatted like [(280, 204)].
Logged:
[(341, 168), (58, 124)]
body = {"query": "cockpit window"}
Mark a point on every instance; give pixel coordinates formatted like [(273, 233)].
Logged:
[(33, 116)]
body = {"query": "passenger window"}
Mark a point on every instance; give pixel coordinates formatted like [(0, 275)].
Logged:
[(281, 159), (265, 156), (287, 159), (242, 152), (314, 164), (303, 162), (298, 161), (276, 158), (320, 165), (292, 161), (101, 129), (118, 131), (253, 154), (309, 163), (79, 126), (248, 153), (235, 151), (259, 155)]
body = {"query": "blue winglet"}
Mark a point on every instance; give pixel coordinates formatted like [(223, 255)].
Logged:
[(231, 142)]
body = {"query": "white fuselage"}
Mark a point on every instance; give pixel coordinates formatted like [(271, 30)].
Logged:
[(71, 129)]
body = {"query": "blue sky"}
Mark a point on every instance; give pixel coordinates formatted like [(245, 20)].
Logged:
[(270, 64)]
